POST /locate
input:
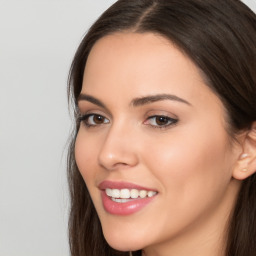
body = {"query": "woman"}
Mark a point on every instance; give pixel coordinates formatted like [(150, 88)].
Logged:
[(163, 157)]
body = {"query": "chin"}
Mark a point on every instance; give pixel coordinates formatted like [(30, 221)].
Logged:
[(123, 242)]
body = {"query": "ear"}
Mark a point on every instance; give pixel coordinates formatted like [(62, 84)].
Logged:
[(246, 163)]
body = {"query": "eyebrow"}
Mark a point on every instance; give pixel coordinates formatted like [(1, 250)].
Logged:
[(91, 99), (159, 97), (137, 101)]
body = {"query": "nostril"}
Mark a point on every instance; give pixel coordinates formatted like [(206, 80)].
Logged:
[(114, 166)]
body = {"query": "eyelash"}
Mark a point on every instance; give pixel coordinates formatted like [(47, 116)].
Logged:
[(170, 121), (86, 117)]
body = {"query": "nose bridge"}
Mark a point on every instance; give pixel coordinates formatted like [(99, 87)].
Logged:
[(118, 148)]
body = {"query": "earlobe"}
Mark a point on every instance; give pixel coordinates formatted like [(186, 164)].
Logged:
[(246, 163), (245, 166)]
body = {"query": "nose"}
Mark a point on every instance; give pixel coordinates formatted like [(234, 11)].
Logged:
[(118, 149)]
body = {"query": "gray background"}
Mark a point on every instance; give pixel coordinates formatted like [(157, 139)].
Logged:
[(37, 42)]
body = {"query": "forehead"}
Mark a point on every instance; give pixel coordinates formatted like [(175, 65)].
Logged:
[(133, 64), (134, 56), (143, 51)]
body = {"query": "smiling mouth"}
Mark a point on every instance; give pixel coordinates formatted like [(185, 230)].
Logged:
[(126, 195)]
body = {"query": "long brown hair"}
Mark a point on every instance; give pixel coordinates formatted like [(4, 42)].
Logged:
[(219, 36)]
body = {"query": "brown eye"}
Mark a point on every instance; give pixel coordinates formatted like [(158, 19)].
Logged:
[(94, 120), (97, 119), (160, 121)]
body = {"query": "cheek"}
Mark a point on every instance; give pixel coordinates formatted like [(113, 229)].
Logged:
[(191, 166), (84, 156)]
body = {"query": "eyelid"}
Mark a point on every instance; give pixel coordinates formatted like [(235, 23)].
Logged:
[(90, 111), (86, 107), (84, 118), (170, 121)]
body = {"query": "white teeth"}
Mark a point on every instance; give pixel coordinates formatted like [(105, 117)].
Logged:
[(134, 193), (125, 193), (143, 193), (109, 192), (151, 193), (120, 195), (115, 193), (119, 200)]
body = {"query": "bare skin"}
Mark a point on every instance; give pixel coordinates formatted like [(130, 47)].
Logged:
[(177, 145)]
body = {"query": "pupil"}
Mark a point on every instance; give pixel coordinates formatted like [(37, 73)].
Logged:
[(161, 120), (98, 119)]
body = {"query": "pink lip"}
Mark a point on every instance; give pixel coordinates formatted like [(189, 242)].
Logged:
[(123, 208), (119, 185)]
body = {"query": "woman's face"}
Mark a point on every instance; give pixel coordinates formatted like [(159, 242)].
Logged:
[(152, 145)]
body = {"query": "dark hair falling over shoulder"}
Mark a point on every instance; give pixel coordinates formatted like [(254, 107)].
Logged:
[(219, 36)]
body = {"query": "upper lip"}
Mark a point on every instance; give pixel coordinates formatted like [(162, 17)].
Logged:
[(120, 185)]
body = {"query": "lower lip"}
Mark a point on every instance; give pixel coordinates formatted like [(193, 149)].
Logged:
[(124, 208)]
